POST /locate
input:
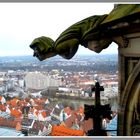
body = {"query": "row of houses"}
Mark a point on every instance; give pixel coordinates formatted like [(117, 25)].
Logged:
[(39, 116)]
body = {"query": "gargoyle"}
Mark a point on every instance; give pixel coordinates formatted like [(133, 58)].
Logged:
[(66, 45), (95, 33)]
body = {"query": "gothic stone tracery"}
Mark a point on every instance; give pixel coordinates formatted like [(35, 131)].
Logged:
[(129, 87)]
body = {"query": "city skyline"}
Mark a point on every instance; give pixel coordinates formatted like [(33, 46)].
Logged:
[(22, 22)]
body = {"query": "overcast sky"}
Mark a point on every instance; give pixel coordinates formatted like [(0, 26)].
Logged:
[(20, 23)]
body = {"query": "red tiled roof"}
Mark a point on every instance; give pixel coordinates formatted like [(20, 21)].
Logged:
[(7, 123), (18, 126), (81, 110), (44, 114), (15, 113), (70, 120), (39, 101), (64, 131), (14, 102), (2, 107), (87, 125), (36, 113), (38, 107), (22, 103)]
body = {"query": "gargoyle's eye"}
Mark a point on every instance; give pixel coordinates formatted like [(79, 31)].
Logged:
[(36, 49), (35, 46)]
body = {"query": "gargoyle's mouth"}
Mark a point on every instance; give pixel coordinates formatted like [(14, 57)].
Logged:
[(38, 56), (35, 55)]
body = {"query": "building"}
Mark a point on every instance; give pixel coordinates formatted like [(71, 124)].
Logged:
[(56, 113), (27, 123), (38, 81), (40, 129)]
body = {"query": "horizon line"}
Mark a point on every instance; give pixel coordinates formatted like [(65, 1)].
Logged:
[(60, 56)]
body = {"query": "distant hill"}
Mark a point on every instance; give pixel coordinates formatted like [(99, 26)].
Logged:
[(91, 63), (29, 58)]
